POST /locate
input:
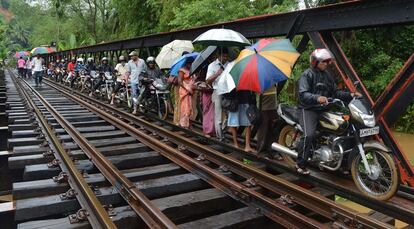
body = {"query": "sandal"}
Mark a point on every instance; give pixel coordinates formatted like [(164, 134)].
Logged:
[(302, 171)]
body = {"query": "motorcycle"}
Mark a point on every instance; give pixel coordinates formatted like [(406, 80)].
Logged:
[(155, 98), (344, 141), (124, 94), (105, 90), (88, 82)]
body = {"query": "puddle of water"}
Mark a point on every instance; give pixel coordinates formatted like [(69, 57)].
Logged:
[(406, 141), (362, 209)]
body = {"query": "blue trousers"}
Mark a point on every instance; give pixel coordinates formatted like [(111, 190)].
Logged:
[(38, 76)]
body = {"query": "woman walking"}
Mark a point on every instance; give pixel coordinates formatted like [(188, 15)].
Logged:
[(186, 90)]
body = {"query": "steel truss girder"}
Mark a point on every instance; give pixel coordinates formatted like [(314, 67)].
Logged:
[(344, 16)]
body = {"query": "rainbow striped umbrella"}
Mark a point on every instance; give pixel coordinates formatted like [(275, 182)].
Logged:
[(264, 64), (21, 54), (41, 50)]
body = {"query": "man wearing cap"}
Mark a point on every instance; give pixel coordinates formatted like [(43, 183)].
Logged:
[(134, 68)]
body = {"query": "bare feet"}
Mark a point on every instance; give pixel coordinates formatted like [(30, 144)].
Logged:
[(248, 149)]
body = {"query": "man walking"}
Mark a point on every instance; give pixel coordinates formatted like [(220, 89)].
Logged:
[(38, 69), (134, 68)]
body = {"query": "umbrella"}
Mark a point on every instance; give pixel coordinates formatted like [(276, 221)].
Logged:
[(21, 54), (181, 62), (202, 58), (222, 37), (225, 82), (40, 50), (172, 51), (264, 64)]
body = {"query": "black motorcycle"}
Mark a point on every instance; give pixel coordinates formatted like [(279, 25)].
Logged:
[(155, 98), (345, 141)]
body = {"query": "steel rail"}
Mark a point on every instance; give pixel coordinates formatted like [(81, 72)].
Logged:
[(96, 214), (304, 197), (150, 214), (272, 209)]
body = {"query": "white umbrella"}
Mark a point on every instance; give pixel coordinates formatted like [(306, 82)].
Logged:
[(225, 82), (222, 37), (172, 51)]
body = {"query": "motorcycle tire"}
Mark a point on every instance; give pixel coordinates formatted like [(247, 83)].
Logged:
[(163, 112), (286, 136), (386, 172)]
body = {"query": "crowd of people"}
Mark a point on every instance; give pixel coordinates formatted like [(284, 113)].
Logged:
[(196, 96)]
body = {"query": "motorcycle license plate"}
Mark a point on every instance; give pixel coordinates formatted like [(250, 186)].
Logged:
[(369, 131), (109, 81)]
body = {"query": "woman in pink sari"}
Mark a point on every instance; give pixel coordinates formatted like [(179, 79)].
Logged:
[(186, 83)]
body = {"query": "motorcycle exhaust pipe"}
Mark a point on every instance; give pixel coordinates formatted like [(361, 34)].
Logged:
[(283, 149)]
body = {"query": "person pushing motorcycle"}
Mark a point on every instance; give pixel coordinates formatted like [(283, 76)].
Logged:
[(104, 67), (151, 72), (316, 85)]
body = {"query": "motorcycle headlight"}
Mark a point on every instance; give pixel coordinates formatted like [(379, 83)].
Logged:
[(359, 116), (368, 120)]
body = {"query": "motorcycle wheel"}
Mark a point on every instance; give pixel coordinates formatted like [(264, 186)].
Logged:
[(163, 113), (286, 138), (109, 93), (383, 184)]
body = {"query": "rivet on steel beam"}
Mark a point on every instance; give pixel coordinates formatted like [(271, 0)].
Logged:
[(347, 221), (110, 210), (79, 216), (84, 174), (48, 153), (201, 157), (62, 177), (251, 182), (53, 163), (287, 200), (40, 136), (223, 169), (183, 148), (68, 195), (95, 190)]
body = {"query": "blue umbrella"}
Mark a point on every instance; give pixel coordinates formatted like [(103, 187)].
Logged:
[(181, 62)]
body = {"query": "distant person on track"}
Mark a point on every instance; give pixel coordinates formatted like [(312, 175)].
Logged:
[(71, 68), (29, 66), (38, 69), (102, 69), (121, 76), (21, 63), (135, 66)]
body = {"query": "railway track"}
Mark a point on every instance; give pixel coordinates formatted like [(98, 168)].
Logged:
[(134, 168), (400, 207)]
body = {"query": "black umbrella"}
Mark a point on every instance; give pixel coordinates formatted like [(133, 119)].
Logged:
[(200, 61)]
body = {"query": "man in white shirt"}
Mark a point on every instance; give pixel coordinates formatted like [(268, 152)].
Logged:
[(121, 81), (37, 67), (134, 68), (214, 70)]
